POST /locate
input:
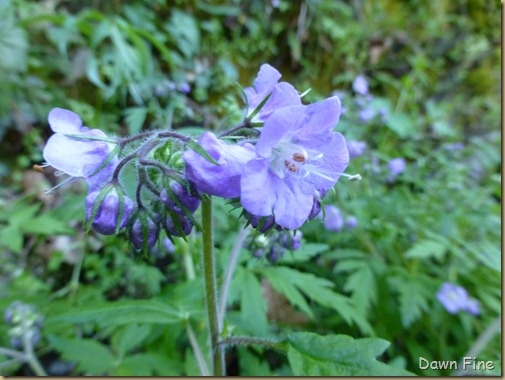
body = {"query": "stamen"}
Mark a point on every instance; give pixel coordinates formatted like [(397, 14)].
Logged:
[(300, 157), (64, 182)]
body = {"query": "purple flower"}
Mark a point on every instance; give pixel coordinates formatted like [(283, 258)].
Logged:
[(396, 166), (184, 88), (356, 148), (222, 180), (333, 220), (297, 154), (266, 82), (169, 246), (360, 85), (351, 222), (292, 241), (455, 146), (264, 223), (137, 234), (72, 155), (455, 298), (180, 192), (106, 218), (366, 114), (184, 223)]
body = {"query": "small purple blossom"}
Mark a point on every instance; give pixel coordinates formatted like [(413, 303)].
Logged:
[(356, 148), (366, 114), (455, 298), (292, 241), (106, 218), (297, 154), (333, 220), (351, 222), (360, 85), (454, 146), (222, 180), (137, 236), (184, 223), (396, 166), (267, 82), (180, 192), (77, 157), (169, 246), (184, 87)]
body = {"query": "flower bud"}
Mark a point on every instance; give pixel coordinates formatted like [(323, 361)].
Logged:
[(184, 223), (291, 241), (138, 235), (106, 217), (180, 192)]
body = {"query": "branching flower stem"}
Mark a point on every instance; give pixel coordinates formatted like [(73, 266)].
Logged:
[(210, 287)]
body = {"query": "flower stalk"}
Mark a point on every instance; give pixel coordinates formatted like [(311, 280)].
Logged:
[(210, 287)]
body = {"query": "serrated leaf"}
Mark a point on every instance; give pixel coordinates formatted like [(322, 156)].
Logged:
[(122, 312), (426, 249), (91, 357), (304, 253), (362, 285), (311, 354), (46, 225), (148, 364), (413, 298)]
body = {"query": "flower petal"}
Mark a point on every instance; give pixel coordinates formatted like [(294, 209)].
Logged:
[(221, 180), (282, 123), (266, 79), (78, 158), (64, 121), (321, 117), (258, 188), (283, 95), (294, 203)]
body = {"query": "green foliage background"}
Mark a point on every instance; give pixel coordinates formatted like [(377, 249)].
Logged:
[(435, 66)]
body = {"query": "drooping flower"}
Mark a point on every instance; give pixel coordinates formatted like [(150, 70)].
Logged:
[(360, 85), (333, 219), (455, 298), (297, 154), (222, 180), (396, 166), (190, 202), (267, 82), (182, 221), (291, 241), (356, 148), (137, 235), (78, 157), (108, 211)]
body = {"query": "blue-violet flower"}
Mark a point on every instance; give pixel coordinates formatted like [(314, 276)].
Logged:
[(106, 218), (455, 298)]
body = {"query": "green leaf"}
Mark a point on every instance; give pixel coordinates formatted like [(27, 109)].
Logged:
[(148, 364), (252, 304), (135, 118), (91, 357), (305, 252), (11, 237), (402, 124), (311, 354), (426, 249), (122, 312), (47, 225), (413, 297), (13, 43), (128, 337)]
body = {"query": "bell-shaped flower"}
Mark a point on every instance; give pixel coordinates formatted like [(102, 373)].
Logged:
[(73, 148), (178, 225), (298, 154), (222, 180), (333, 219), (179, 192), (267, 82), (139, 235), (108, 211)]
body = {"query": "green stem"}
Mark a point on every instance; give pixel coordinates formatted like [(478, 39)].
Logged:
[(31, 358), (247, 341), (210, 287), (204, 371)]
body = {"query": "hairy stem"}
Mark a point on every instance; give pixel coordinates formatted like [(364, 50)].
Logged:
[(229, 273), (247, 341), (31, 358), (210, 286)]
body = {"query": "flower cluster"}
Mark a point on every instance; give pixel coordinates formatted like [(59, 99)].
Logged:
[(273, 246), (24, 323), (295, 160), (279, 178), (364, 100), (334, 220), (455, 298)]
